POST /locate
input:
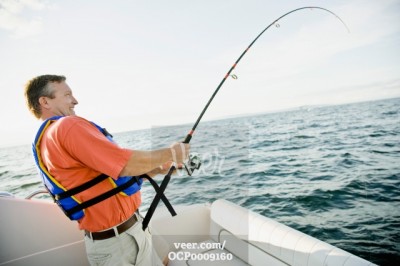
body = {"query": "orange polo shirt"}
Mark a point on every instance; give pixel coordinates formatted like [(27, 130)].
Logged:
[(74, 151)]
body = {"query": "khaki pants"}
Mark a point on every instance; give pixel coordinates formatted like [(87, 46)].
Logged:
[(133, 247)]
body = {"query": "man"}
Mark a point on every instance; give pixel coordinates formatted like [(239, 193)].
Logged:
[(72, 153)]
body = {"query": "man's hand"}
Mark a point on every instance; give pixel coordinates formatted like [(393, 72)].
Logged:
[(142, 162), (180, 152), (164, 169)]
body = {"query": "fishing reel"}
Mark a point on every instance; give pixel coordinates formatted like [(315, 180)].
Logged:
[(192, 164)]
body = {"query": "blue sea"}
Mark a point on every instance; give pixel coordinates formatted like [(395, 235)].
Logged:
[(332, 172)]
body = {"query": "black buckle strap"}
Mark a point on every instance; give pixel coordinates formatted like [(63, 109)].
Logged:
[(78, 189), (163, 197), (160, 195), (101, 197)]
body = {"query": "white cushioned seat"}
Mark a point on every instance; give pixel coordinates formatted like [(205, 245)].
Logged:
[(272, 242)]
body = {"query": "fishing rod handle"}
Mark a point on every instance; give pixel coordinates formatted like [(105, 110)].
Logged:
[(188, 137)]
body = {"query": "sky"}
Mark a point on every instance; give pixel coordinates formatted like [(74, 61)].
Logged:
[(139, 64)]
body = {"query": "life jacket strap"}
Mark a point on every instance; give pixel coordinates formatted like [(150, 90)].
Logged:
[(101, 197), (84, 186), (163, 197)]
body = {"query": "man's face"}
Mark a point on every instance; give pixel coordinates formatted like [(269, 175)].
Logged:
[(63, 102)]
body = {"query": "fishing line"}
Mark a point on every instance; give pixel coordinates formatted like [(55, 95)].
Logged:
[(167, 178)]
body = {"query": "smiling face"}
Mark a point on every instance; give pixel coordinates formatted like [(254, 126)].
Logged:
[(61, 102)]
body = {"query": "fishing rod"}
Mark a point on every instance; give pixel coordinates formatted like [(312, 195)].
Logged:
[(191, 132), (192, 166)]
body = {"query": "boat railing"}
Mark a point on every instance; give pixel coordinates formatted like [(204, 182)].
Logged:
[(37, 192), (6, 194)]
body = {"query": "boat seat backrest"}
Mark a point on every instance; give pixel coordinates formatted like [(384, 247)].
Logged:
[(259, 240)]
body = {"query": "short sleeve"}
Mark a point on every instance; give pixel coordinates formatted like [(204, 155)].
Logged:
[(87, 145)]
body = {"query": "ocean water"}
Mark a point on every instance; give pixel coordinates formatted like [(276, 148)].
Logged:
[(332, 172)]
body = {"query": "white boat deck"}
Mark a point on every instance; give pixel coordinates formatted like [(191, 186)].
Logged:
[(36, 232), (250, 238)]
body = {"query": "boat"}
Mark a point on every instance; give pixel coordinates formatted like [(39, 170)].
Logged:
[(35, 232)]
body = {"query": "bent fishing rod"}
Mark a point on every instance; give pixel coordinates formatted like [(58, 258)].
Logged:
[(190, 168)]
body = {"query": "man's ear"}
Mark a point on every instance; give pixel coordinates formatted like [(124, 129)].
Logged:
[(44, 103)]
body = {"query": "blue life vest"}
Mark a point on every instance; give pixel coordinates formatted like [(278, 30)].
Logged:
[(65, 199)]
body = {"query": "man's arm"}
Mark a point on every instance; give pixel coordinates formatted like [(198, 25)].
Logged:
[(142, 162)]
